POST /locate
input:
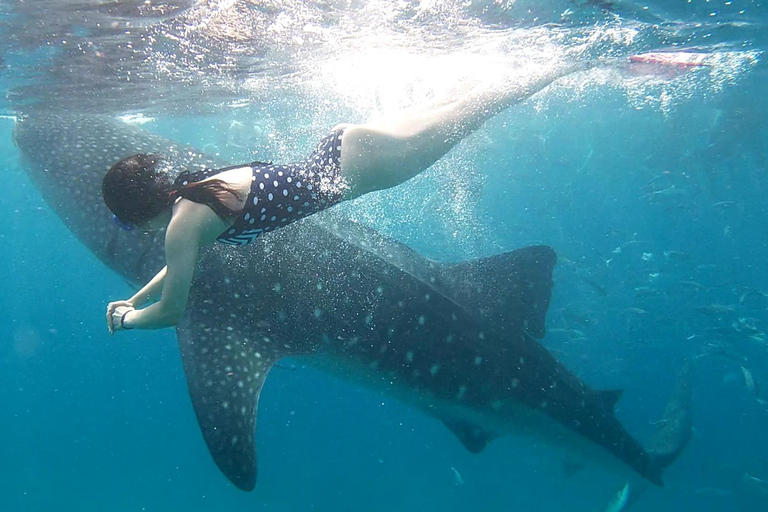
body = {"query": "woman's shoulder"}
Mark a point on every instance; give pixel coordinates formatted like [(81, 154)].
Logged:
[(192, 218)]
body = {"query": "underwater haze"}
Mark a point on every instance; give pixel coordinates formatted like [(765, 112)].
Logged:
[(647, 180)]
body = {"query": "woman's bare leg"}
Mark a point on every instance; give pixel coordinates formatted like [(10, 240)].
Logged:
[(383, 154)]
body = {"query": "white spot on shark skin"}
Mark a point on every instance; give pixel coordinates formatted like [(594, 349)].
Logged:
[(481, 335), (422, 320), (379, 289), (478, 360), (225, 404), (277, 288), (319, 286), (368, 319), (434, 369)]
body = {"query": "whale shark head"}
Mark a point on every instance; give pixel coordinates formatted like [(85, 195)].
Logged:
[(67, 156), (457, 341)]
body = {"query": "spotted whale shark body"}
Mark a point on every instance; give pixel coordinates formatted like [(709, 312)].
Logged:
[(457, 341)]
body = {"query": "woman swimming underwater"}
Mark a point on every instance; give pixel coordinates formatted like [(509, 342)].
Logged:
[(237, 204)]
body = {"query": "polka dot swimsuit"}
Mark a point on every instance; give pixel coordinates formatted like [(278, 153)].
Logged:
[(281, 194)]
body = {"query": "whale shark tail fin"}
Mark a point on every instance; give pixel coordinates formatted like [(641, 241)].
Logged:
[(675, 426), (673, 434), (620, 501)]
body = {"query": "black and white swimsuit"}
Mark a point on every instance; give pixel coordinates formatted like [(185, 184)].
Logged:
[(281, 194)]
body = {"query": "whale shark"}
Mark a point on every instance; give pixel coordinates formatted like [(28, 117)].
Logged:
[(459, 341)]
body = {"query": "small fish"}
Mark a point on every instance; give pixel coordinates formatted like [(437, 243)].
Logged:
[(716, 350), (646, 291), (598, 289), (746, 294), (750, 383), (676, 255), (692, 285), (715, 492), (572, 333), (756, 483), (637, 311), (457, 480), (715, 309), (671, 191), (724, 204)]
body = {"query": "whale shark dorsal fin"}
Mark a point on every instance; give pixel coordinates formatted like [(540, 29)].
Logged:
[(511, 290), (225, 373), (473, 438)]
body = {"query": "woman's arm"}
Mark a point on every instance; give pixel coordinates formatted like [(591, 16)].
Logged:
[(192, 226), (150, 292), (182, 241)]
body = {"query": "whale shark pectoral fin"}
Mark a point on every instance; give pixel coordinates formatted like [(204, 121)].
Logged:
[(512, 289), (225, 373), (609, 397), (473, 438)]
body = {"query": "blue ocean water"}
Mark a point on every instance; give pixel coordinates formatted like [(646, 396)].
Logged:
[(650, 189)]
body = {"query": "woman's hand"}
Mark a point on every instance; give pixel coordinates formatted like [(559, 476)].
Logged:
[(115, 313)]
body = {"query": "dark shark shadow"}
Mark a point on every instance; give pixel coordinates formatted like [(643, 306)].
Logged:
[(457, 341)]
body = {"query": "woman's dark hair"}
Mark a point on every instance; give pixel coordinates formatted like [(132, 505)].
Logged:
[(136, 191)]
